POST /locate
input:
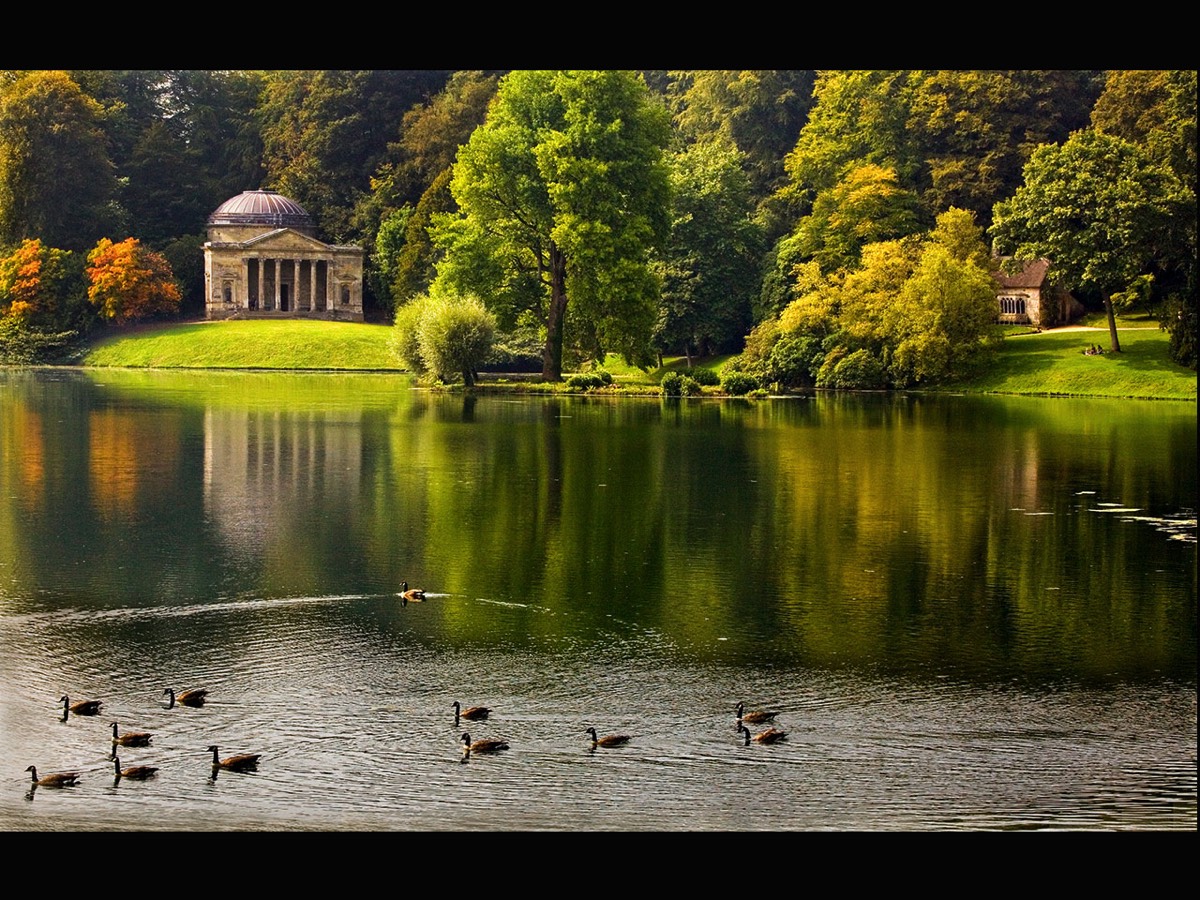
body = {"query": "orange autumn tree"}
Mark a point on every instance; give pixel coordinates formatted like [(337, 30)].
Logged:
[(128, 282), (34, 282)]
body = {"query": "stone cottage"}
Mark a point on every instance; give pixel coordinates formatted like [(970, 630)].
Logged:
[(263, 259), (1029, 297)]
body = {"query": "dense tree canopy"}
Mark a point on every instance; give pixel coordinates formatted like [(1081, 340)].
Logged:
[(954, 137), (414, 183), (563, 195), (760, 111), (914, 311), (56, 178), (325, 134), (543, 192), (1156, 110)]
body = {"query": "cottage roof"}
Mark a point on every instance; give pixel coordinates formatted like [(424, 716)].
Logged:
[(1033, 275), (263, 208)]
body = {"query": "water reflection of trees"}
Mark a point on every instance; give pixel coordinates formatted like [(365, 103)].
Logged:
[(886, 530)]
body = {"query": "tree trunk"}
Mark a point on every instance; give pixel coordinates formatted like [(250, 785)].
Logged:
[(556, 316), (1112, 322)]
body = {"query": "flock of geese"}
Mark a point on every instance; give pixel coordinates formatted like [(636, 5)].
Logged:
[(243, 762), (246, 762)]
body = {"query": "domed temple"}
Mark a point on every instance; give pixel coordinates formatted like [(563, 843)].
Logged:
[(263, 259)]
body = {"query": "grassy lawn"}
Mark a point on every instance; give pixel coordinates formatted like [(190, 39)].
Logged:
[(1053, 362), (1046, 363), (250, 344)]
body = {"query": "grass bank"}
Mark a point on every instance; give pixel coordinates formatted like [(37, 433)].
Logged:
[(249, 344), (1053, 363), (1050, 363)]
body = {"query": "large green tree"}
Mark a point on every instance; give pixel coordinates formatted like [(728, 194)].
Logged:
[(868, 204), (563, 195), (1098, 208), (916, 310), (56, 178)]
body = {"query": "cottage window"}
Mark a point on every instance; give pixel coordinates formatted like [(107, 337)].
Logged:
[(1012, 306)]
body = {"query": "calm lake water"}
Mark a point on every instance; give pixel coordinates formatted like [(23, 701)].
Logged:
[(969, 613)]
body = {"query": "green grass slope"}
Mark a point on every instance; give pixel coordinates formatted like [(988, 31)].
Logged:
[(1053, 363), (1049, 363), (250, 344)]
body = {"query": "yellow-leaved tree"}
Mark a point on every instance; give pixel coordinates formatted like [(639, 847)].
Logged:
[(128, 282)]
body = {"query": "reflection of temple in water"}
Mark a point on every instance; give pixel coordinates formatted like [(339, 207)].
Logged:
[(264, 471)]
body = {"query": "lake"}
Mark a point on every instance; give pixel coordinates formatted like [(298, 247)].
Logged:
[(967, 612)]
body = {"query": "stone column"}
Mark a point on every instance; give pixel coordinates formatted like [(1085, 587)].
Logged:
[(330, 298)]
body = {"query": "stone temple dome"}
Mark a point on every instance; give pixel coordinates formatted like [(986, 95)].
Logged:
[(262, 208)]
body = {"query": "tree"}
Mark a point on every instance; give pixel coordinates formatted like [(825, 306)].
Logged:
[(416, 177), (916, 310), (56, 179), (1157, 111), (389, 242), (563, 196), (181, 142), (42, 286), (1098, 208), (943, 318), (952, 137), (857, 117), (975, 130), (325, 133), (867, 205), (443, 335), (455, 335), (709, 268), (430, 135), (760, 111), (128, 282), (165, 193)]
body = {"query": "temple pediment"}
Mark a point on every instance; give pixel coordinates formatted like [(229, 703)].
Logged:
[(284, 240)]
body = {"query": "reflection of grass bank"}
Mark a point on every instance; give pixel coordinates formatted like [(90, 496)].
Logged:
[(1049, 363)]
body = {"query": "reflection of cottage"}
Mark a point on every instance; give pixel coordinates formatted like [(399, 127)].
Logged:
[(263, 259), (1029, 297)]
